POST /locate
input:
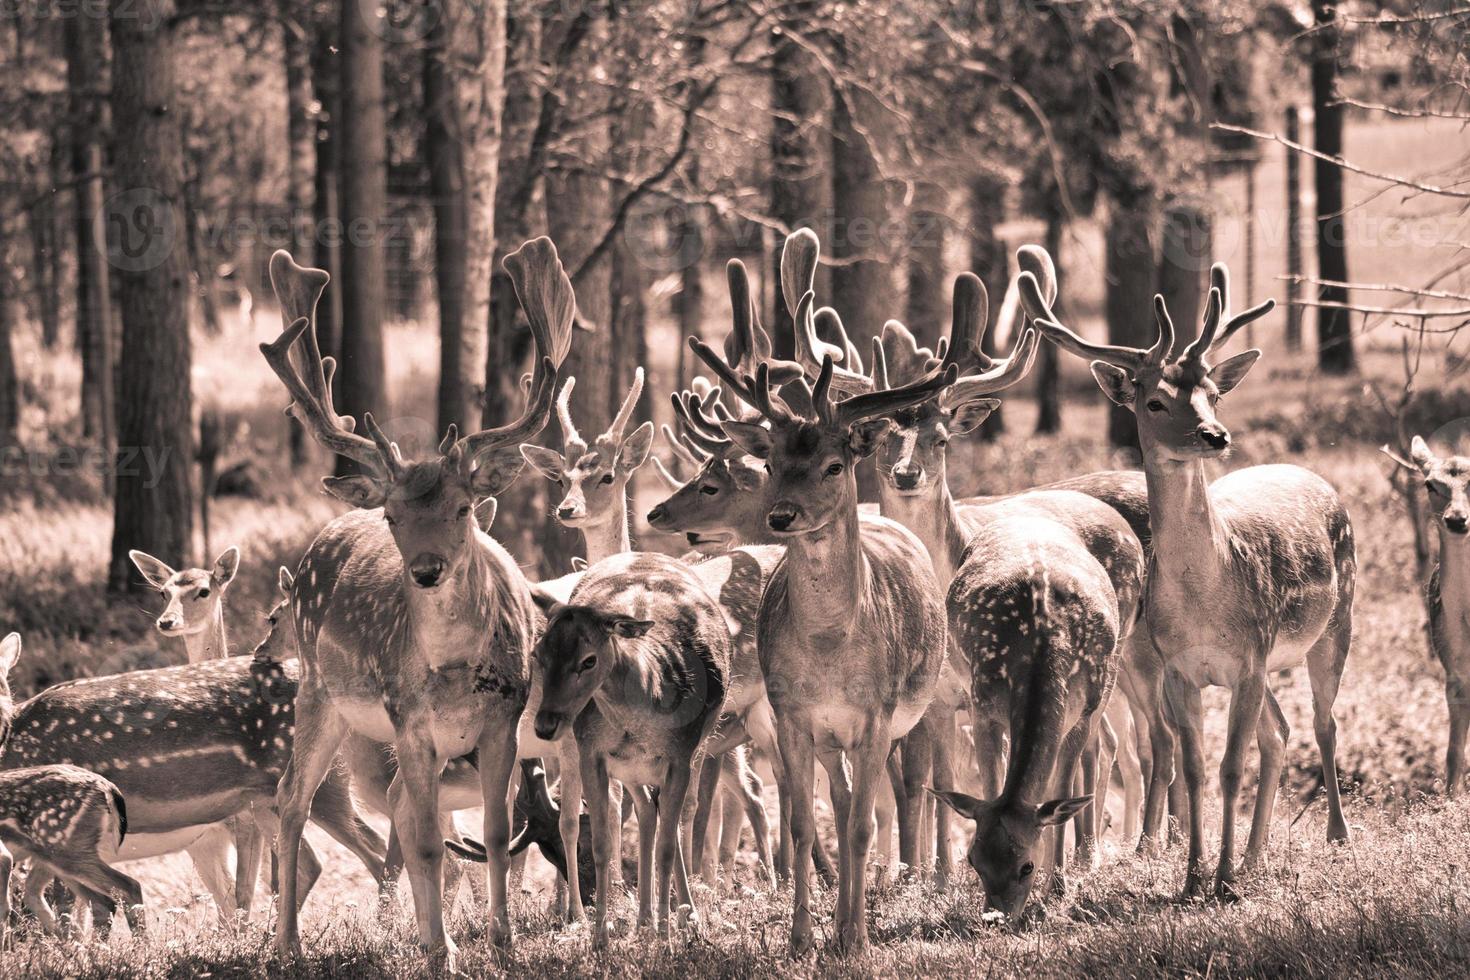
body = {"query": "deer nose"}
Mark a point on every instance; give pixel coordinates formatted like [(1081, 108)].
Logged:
[(1457, 523), (781, 517), (546, 724), (566, 511), (426, 571), (1214, 435), (657, 515), (906, 476), (169, 622)]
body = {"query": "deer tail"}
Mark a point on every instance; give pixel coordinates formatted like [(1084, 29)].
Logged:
[(120, 807)]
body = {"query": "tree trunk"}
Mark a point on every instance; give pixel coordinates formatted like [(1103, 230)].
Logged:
[(154, 494), (801, 169), (928, 307), (300, 170), (9, 383), (1129, 266), (326, 198), (1184, 257), (364, 209), (1293, 234), (1048, 367), (85, 42), (1334, 325), (986, 206), (464, 92), (42, 222)]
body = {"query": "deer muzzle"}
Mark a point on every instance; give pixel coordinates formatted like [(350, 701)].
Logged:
[(1214, 435), (548, 724), (427, 571), (782, 516)]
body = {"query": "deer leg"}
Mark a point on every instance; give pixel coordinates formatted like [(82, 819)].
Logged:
[(34, 898), (569, 824), (670, 863), (867, 761), (1325, 662), (604, 824), (839, 784), (497, 762), (647, 827), (333, 810), (1052, 867), (1245, 718), (750, 790), (1458, 700), (248, 847), (7, 864), (1084, 827), (1142, 680), (733, 809), (1187, 712), (885, 810), (319, 731), (944, 749), (1131, 771), (415, 798), (1271, 735), (918, 760), (210, 854), (798, 754), (99, 881), (709, 784)]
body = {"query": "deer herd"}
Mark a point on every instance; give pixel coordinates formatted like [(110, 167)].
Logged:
[(986, 658)]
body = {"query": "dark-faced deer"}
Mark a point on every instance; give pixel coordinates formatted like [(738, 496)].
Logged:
[(852, 631), (637, 666), (1447, 478), (414, 626), (69, 822), (1253, 572)]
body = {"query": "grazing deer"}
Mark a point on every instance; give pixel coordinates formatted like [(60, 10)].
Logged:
[(1252, 573), (194, 611), (595, 483), (852, 631), (1447, 478), (414, 626), (68, 821), (637, 667)]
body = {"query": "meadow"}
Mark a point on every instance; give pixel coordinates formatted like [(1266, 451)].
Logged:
[(1394, 899)]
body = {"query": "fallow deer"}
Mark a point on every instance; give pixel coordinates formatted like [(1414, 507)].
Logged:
[(69, 822), (413, 625), (1446, 478), (637, 666), (852, 630), (1253, 572)]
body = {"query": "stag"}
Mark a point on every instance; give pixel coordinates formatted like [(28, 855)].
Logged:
[(414, 626)]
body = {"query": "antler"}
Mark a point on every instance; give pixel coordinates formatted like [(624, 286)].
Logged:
[(569, 435), (298, 289), (545, 294), (1213, 335), (1039, 309), (625, 411)]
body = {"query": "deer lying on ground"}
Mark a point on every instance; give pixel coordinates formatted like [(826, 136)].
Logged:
[(594, 479), (1446, 478), (637, 667), (1253, 572), (69, 822), (414, 627)]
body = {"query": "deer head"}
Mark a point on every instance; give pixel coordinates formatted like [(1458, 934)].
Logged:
[(271, 646), (193, 597), (428, 505), (1447, 478), (575, 655), (594, 478), (912, 461), (1005, 850), (1173, 398), (9, 654)]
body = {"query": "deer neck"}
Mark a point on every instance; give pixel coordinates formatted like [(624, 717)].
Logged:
[(610, 536), (1454, 568), (1036, 741), (448, 625), (209, 644), (1191, 542), (935, 520), (826, 573)]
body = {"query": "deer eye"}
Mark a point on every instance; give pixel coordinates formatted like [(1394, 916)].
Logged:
[(834, 470), (708, 490), (606, 479), (1154, 405), (202, 594), (1026, 869), (464, 511), (588, 663)]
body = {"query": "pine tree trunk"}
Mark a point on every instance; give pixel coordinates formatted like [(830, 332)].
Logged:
[(986, 206), (153, 504), (9, 383), (327, 186), (364, 209), (85, 42), (927, 310), (1334, 325), (1129, 266), (1048, 368), (300, 169), (1293, 233), (1184, 258)]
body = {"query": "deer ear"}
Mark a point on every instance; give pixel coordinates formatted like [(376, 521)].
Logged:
[(967, 416), (545, 601), (634, 450), (866, 436), (965, 806), (154, 572), (1419, 452), (627, 627), (1060, 811), (745, 477), (9, 654), (485, 511), (225, 567), (1115, 383), (357, 491), (1231, 371), (754, 439), (284, 580), (548, 462), (497, 470)]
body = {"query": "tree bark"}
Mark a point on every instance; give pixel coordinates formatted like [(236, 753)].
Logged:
[(1184, 257), (153, 503), (326, 242), (927, 309), (84, 40), (1293, 234), (801, 171), (300, 171), (1129, 266), (464, 92), (986, 207), (1334, 325), (9, 382), (1048, 366), (364, 209)]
